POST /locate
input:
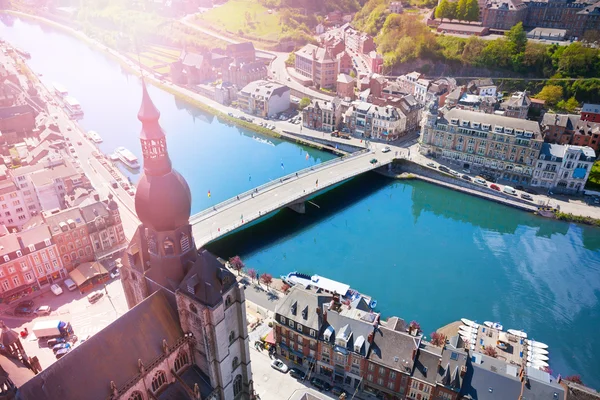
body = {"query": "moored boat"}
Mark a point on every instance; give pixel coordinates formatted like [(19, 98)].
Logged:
[(540, 357), (94, 136), (517, 333), (127, 158), (493, 325), (73, 107), (537, 364), (60, 89), (536, 350), (468, 329), (539, 345), (468, 322)]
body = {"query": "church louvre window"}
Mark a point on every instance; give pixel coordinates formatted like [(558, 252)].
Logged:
[(237, 385), (193, 309), (181, 361), (152, 248), (169, 247), (234, 363), (184, 242), (231, 336), (158, 381), (227, 301), (136, 396)]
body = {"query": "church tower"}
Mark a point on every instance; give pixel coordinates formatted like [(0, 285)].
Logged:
[(163, 243), (211, 304), (428, 124)]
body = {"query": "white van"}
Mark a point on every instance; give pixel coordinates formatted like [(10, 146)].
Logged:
[(70, 284), (510, 190)]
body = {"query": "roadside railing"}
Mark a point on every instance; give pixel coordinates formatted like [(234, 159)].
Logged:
[(272, 184), (222, 230)]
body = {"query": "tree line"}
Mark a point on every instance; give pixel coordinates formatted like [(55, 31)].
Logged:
[(463, 10)]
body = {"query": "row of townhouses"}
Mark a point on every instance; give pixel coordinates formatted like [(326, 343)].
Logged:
[(55, 245), (341, 340)]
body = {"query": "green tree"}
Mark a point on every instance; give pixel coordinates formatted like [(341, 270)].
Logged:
[(471, 54), (517, 38), (569, 105), (441, 11), (352, 73), (305, 102), (451, 10), (577, 60), (551, 93), (461, 10), (472, 13)]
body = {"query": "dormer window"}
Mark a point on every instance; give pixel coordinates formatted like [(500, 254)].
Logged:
[(294, 307), (519, 131), (485, 126), (305, 313), (465, 123), (528, 134), (542, 156), (508, 130), (498, 129), (454, 121), (475, 125), (31, 247), (169, 247)]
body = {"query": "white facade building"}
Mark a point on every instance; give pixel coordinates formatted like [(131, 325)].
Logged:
[(563, 168)]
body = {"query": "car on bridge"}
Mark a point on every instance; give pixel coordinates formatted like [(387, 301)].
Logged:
[(386, 149), (373, 161)]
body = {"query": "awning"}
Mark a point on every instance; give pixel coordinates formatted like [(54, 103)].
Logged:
[(87, 271), (503, 337), (270, 338)]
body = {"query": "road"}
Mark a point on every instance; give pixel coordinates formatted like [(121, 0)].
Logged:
[(252, 206)]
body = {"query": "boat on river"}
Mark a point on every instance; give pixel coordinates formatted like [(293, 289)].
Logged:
[(536, 350), (470, 323), (493, 325), (60, 90), (94, 137), (539, 345), (517, 333), (533, 357), (73, 107), (127, 158)]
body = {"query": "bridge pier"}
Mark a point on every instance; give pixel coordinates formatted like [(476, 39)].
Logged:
[(300, 207)]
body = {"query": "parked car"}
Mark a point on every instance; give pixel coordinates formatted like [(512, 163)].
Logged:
[(320, 384), (530, 191), (386, 149), (54, 341), (443, 168), (114, 273), (114, 184), (94, 297), (495, 187), (338, 391), (519, 187), (279, 366), (25, 303), (467, 178), (60, 346), (510, 190), (526, 196), (297, 373), (373, 161), (480, 181), (454, 173), (431, 165), (59, 354), (56, 289), (43, 310), (23, 311)]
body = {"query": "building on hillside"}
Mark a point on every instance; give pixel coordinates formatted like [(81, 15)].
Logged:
[(391, 360), (244, 73), (517, 105), (16, 122), (345, 63), (376, 61), (264, 98), (563, 168), (208, 302), (192, 68), (559, 128), (52, 184), (318, 64), (358, 42), (323, 115), (502, 14), (411, 109), (104, 227), (421, 89), (590, 112), (345, 87), (241, 52), (396, 7), (69, 232), (438, 373), (298, 321), (482, 87), (408, 82), (379, 122), (346, 337), (43, 257), (504, 147), (499, 380)]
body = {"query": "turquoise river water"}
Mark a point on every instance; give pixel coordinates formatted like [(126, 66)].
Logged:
[(426, 253)]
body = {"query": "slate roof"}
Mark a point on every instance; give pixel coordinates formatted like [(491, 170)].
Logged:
[(321, 54), (493, 120), (520, 99), (393, 348), (356, 328), (344, 78), (8, 112), (35, 236), (299, 299), (207, 280), (265, 89), (426, 364), (54, 220), (550, 150), (16, 371), (240, 47), (591, 108), (88, 211), (110, 355), (192, 59)]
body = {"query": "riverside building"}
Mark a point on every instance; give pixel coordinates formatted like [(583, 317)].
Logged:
[(504, 147)]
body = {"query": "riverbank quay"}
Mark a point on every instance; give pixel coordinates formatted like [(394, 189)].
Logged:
[(195, 99)]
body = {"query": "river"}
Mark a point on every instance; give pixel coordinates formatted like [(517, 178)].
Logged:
[(426, 253)]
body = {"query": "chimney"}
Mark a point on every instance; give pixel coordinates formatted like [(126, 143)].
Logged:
[(414, 353), (370, 337)]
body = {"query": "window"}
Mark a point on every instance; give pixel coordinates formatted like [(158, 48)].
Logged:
[(290, 322), (380, 381), (168, 247), (234, 363), (370, 377), (16, 280), (136, 396), (40, 270), (28, 277), (193, 309), (282, 319), (55, 263), (19, 254), (371, 367), (6, 258), (227, 301), (313, 333), (237, 385), (23, 266), (47, 266), (1, 272), (392, 375), (44, 257), (11, 270), (159, 379), (181, 361), (381, 371), (50, 251), (5, 285), (231, 337), (184, 242), (391, 385)]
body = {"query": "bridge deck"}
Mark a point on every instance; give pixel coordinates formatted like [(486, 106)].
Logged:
[(232, 214)]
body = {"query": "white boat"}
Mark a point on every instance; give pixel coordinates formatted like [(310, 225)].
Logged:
[(60, 89), (536, 350), (467, 329), (127, 158), (517, 333), (470, 323), (539, 345), (534, 357), (537, 364), (493, 325), (94, 137), (73, 107)]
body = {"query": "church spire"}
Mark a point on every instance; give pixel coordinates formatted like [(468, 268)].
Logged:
[(152, 137)]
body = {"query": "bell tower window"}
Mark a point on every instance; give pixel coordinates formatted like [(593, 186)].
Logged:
[(154, 149), (184, 242), (169, 247)]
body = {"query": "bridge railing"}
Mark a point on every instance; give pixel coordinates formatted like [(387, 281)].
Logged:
[(202, 240), (276, 182)]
